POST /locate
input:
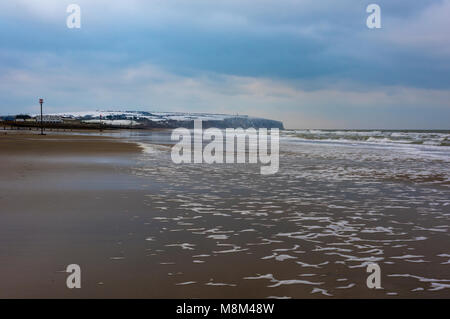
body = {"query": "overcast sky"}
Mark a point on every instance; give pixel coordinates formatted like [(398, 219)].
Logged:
[(308, 63)]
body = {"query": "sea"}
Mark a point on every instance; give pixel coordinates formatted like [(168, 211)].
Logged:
[(341, 201)]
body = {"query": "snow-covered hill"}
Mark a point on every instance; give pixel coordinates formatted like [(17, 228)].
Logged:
[(169, 119)]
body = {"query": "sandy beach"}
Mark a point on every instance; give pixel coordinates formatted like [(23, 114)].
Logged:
[(56, 190), (142, 227)]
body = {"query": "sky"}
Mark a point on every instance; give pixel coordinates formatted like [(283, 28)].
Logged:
[(308, 63)]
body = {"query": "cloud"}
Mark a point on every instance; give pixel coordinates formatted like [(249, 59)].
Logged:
[(299, 61), (428, 30), (150, 87)]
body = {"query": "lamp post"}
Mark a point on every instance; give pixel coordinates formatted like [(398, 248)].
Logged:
[(41, 101)]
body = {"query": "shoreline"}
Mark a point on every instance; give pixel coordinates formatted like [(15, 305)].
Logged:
[(141, 227)]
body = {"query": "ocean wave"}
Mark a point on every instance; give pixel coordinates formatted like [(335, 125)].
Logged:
[(432, 138), (148, 148)]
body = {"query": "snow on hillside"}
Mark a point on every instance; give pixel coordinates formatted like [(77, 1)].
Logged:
[(167, 119), (152, 116), (112, 122)]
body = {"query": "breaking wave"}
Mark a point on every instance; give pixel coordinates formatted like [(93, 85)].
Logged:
[(420, 137)]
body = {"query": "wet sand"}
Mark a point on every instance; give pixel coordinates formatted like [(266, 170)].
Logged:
[(60, 204), (141, 227)]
